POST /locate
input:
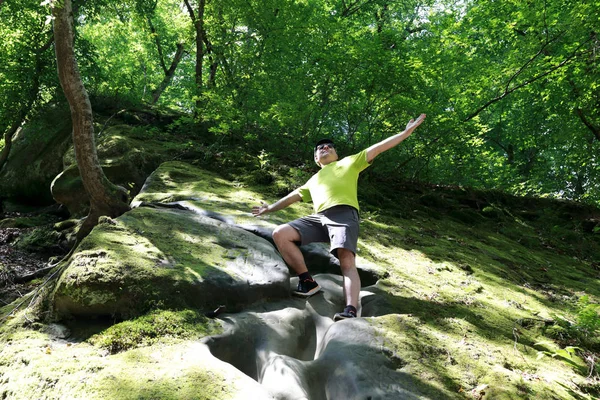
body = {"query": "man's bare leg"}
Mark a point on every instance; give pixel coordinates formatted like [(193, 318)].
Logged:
[(351, 281), (285, 237)]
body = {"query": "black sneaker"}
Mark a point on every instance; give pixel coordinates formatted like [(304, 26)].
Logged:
[(349, 312), (306, 288)]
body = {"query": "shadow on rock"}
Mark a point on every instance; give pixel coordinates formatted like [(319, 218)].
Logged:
[(295, 350)]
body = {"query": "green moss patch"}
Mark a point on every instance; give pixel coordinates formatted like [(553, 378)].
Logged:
[(34, 364), (477, 299), (146, 381), (154, 326), (178, 181), (40, 240), (27, 221), (454, 358)]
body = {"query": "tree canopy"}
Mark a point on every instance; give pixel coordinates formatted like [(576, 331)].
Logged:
[(511, 88)]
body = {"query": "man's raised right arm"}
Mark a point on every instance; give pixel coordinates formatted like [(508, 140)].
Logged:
[(279, 205)]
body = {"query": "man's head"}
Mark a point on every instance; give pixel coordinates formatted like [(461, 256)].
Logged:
[(325, 152)]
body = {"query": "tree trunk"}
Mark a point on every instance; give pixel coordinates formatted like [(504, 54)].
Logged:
[(213, 61), (105, 198), (198, 21), (168, 73)]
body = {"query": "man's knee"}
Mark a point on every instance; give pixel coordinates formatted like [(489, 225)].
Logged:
[(285, 233)]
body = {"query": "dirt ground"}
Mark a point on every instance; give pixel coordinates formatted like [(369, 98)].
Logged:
[(14, 264)]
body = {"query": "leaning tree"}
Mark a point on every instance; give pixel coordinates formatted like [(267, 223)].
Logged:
[(105, 197)]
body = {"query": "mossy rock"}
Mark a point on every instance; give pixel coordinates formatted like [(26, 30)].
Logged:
[(177, 257), (44, 240), (35, 364), (492, 212), (151, 258), (126, 160), (27, 221), (36, 157)]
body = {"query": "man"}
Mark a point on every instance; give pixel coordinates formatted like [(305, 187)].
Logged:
[(333, 191)]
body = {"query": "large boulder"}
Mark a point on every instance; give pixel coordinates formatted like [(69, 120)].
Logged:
[(168, 258), (172, 252), (36, 157)]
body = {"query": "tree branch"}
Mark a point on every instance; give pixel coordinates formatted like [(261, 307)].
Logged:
[(161, 57), (595, 130), (353, 7), (48, 43), (190, 10), (530, 61), (523, 84), (497, 142), (168, 73)]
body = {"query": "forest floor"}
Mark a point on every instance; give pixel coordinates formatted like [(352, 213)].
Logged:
[(493, 298), (16, 263), (18, 260)]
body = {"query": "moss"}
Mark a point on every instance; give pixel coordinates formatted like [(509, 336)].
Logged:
[(467, 216), (194, 383), (27, 222), (427, 260), (40, 240), (458, 362), (152, 327), (35, 365), (492, 212), (260, 177)]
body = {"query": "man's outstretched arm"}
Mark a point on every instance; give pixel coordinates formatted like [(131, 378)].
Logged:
[(395, 140), (279, 205)]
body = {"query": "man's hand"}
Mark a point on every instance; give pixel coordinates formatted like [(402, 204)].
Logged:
[(395, 140), (413, 124), (278, 205), (260, 210)]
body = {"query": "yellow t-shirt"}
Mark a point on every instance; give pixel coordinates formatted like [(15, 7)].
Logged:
[(335, 184)]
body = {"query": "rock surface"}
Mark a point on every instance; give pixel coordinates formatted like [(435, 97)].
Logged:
[(36, 157), (174, 252), (171, 258), (295, 350)]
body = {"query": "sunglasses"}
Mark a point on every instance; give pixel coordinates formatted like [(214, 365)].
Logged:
[(322, 146)]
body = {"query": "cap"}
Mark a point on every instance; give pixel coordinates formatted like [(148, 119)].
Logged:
[(323, 141)]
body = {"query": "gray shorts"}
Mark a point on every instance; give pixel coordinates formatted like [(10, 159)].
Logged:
[(337, 225)]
